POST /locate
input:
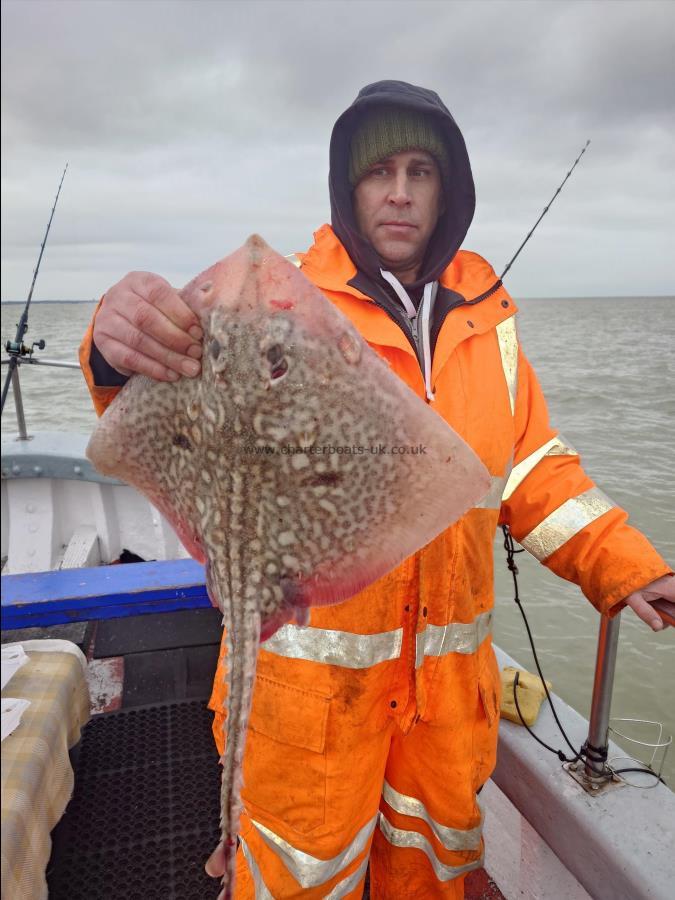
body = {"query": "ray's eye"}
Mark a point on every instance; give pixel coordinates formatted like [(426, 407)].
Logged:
[(275, 353), (215, 348), (278, 364)]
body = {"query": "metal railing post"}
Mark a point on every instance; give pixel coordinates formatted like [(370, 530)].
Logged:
[(603, 683), (16, 386), (18, 404)]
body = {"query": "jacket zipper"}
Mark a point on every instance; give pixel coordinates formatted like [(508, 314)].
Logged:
[(422, 343), (415, 336)]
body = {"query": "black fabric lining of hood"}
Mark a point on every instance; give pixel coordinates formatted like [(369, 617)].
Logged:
[(383, 295), (460, 202)]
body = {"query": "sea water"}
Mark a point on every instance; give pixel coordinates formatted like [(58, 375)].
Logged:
[(607, 367)]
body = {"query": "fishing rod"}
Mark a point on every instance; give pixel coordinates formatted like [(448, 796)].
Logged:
[(587, 752), (546, 209), (498, 283), (16, 348), (509, 545)]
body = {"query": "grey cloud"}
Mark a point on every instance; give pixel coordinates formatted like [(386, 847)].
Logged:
[(190, 124)]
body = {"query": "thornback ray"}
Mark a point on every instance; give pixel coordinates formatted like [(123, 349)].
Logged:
[(297, 466)]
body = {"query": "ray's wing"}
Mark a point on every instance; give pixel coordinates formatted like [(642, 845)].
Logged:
[(388, 476), (144, 439), (381, 475)]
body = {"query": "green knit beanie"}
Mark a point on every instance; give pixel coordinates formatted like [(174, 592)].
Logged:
[(388, 130)]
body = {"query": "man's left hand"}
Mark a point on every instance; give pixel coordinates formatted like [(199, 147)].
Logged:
[(641, 601)]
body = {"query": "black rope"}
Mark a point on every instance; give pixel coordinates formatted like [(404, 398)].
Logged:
[(561, 756), (588, 751), (511, 551), (595, 754)]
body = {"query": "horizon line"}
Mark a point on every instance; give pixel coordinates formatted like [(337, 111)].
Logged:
[(528, 297)]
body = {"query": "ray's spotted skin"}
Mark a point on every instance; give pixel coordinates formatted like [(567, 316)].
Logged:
[(243, 462)]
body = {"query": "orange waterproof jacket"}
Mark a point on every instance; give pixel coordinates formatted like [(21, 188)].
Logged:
[(416, 645), (487, 391)]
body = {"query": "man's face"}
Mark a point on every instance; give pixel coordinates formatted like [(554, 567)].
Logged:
[(397, 204)]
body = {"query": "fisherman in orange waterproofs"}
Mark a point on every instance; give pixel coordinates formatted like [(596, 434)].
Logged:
[(374, 728)]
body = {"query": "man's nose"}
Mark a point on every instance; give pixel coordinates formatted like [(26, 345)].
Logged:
[(399, 195)]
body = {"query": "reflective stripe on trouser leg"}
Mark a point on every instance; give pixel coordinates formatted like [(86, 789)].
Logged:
[(416, 853), (308, 870), (342, 888), (408, 839), (405, 864), (430, 827), (450, 838), (275, 869), (259, 886)]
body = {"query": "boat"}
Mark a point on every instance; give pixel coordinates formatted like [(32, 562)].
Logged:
[(88, 560)]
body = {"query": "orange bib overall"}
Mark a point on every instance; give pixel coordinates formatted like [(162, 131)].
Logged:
[(373, 728)]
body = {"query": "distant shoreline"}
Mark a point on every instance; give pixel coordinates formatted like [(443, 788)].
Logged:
[(23, 302), (518, 299)]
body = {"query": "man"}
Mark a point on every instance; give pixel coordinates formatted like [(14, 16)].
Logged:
[(374, 728)]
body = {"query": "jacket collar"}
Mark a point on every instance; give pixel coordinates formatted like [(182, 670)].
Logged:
[(328, 265)]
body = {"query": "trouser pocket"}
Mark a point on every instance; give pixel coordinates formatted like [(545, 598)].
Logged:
[(285, 758)]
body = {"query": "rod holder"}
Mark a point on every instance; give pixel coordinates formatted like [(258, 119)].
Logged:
[(597, 741), (18, 405)]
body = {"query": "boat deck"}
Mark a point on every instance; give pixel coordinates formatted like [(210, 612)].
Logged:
[(144, 815)]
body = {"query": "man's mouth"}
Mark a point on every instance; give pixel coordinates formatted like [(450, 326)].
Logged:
[(398, 226)]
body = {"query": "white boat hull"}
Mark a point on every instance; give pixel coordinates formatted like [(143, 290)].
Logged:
[(57, 512), (547, 838)]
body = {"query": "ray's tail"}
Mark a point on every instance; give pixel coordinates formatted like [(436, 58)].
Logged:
[(242, 624)]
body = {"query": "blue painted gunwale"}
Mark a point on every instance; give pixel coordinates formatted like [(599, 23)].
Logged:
[(39, 599)]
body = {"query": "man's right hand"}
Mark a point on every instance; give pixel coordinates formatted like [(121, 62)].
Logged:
[(144, 326)]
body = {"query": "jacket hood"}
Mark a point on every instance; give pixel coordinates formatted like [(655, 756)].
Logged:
[(460, 202)]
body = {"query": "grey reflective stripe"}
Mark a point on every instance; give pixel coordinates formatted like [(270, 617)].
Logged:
[(344, 887), (451, 838), (292, 258), (337, 648), (508, 349), (455, 637), (566, 521), (403, 838), (261, 890), (493, 498), (557, 446), (310, 871), (507, 338)]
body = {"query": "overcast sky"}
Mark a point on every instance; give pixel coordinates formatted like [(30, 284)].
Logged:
[(189, 125)]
